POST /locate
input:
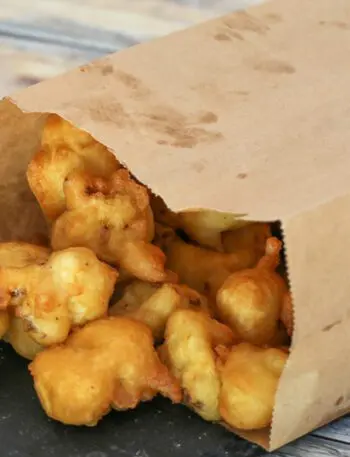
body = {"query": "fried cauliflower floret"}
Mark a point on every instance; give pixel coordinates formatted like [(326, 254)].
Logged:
[(17, 255), (113, 218), (202, 269), (153, 304), (71, 288), (19, 337), (287, 316), (249, 378), (207, 226), (189, 351), (250, 300), (110, 363), (64, 148), (20, 254), (248, 242)]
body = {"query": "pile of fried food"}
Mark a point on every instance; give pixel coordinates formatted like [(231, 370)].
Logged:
[(131, 300)]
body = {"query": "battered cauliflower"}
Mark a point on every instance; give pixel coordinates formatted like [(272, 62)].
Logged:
[(250, 300), (64, 148), (189, 350), (202, 269), (113, 218), (247, 242), (18, 255), (153, 304), (20, 339), (249, 380), (204, 226), (110, 363), (71, 288)]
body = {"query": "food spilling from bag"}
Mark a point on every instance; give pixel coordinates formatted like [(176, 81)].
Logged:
[(130, 300), (162, 192)]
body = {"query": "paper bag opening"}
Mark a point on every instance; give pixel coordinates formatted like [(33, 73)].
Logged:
[(308, 395), (21, 136)]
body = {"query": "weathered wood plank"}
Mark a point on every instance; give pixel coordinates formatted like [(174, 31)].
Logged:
[(137, 17), (101, 21), (314, 446), (28, 65), (338, 430), (164, 10), (69, 34)]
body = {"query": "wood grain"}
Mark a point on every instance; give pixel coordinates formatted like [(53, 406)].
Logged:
[(44, 38), (337, 431), (313, 446), (47, 37)]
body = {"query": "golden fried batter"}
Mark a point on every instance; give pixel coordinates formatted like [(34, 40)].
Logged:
[(113, 218), (20, 339), (20, 254), (287, 315), (248, 242), (17, 255), (153, 304), (206, 226), (202, 269), (189, 350), (71, 288), (108, 363), (250, 300), (64, 148), (249, 379)]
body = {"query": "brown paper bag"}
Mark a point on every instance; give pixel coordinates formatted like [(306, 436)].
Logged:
[(249, 113)]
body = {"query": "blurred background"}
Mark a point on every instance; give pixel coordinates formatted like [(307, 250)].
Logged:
[(42, 38)]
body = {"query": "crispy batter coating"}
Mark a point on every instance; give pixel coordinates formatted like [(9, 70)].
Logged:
[(202, 269), (189, 350), (17, 255), (113, 218), (20, 339), (20, 254), (287, 313), (108, 363), (206, 226), (153, 304), (249, 379), (64, 148), (250, 300), (71, 288), (248, 241)]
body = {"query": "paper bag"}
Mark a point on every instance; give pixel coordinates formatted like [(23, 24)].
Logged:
[(248, 113)]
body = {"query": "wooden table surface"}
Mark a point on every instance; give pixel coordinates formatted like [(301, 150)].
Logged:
[(42, 38)]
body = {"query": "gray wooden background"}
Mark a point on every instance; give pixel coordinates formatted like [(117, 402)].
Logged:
[(42, 38)]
